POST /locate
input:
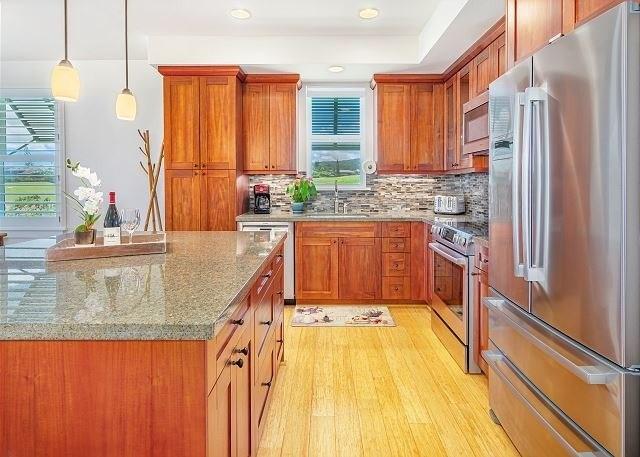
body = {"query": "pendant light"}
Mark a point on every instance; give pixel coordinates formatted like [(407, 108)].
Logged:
[(65, 80), (126, 102)]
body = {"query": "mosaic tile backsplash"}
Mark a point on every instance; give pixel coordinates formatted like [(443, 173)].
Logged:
[(391, 193)]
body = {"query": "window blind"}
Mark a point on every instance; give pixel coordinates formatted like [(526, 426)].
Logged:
[(29, 159), (335, 116)]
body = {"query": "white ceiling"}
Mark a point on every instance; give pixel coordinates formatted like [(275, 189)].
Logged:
[(33, 30)]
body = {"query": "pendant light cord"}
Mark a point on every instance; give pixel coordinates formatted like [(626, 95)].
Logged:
[(65, 31), (126, 45)]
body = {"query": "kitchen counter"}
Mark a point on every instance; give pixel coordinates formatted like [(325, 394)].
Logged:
[(186, 294), (285, 216)]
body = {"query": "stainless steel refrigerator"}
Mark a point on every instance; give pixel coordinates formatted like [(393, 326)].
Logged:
[(564, 222)]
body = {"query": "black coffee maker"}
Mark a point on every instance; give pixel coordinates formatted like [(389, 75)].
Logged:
[(262, 199)]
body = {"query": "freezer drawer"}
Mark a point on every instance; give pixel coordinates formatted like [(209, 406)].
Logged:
[(535, 426), (593, 392)]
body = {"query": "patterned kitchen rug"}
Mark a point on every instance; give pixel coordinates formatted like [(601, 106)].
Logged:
[(342, 316)]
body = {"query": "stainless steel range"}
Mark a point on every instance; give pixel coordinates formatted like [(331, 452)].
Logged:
[(451, 255)]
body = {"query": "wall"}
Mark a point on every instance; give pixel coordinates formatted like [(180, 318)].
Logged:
[(391, 193), (94, 136)]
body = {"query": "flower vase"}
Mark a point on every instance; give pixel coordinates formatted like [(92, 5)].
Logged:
[(297, 207), (87, 238)]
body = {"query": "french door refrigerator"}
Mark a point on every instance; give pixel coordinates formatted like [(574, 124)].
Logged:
[(564, 222)]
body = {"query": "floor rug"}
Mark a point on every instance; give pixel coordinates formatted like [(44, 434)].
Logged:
[(342, 316)]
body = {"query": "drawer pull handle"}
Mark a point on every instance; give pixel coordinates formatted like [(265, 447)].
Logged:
[(475, 274), (238, 322), (268, 275), (243, 351), (239, 363), (266, 384), (279, 256), (395, 265), (280, 293), (396, 289), (266, 323), (279, 341)]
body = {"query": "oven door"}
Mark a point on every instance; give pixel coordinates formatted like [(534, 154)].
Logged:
[(449, 273)]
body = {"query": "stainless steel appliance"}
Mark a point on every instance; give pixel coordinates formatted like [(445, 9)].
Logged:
[(449, 204), (451, 255), (564, 221), (269, 229)]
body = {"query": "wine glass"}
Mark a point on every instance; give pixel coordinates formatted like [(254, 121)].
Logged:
[(129, 221)]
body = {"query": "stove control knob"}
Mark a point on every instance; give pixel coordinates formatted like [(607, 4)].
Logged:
[(456, 238), (463, 241)]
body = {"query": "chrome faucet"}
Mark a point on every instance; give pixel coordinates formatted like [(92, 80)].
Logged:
[(336, 202)]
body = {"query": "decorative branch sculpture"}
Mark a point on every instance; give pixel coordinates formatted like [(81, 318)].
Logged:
[(152, 170)]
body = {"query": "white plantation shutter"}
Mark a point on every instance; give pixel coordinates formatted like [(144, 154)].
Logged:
[(30, 162)]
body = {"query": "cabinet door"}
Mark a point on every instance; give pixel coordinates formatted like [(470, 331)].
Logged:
[(182, 199), (576, 12), (418, 253), (218, 122), (451, 126), (530, 26), (282, 128), (181, 122), (394, 130), (482, 72), (243, 386), (316, 268), (426, 134), (499, 55), (359, 267), (255, 112), (481, 285), (221, 416), (464, 95), (218, 200)]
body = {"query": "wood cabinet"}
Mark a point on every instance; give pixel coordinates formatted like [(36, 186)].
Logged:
[(481, 291), (483, 70), (451, 146), (360, 261), (577, 12), (269, 119), (410, 127), (204, 186)]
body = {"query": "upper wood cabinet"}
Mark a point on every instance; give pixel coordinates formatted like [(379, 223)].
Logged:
[(181, 122), (451, 146), (483, 70), (410, 127), (269, 118), (499, 53), (577, 12), (202, 122)]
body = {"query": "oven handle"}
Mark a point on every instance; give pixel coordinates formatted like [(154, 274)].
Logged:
[(449, 254)]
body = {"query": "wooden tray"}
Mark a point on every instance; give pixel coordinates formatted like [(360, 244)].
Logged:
[(143, 243)]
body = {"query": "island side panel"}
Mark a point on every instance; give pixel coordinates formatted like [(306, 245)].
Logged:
[(102, 398)]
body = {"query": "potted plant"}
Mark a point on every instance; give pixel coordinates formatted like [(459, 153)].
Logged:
[(301, 190), (86, 201)]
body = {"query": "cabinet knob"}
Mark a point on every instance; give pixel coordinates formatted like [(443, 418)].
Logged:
[(273, 166), (238, 322), (395, 265), (266, 166), (243, 351), (279, 293), (279, 341), (266, 384), (268, 275), (396, 288), (239, 363), (195, 165), (266, 323), (475, 274)]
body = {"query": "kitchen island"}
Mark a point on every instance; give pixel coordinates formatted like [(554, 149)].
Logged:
[(142, 355)]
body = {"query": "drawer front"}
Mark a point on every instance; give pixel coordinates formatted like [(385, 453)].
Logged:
[(278, 260), (396, 229), (534, 425), (264, 384), (279, 340), (220, 348), (396, 245), (587, 388), (263, 320), (481, 260), (396, 264), (396, 288), (263, 283), (338, 229), (278, 295)]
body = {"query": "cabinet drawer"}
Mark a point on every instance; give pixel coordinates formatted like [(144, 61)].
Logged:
[(278, 260), (396, 229), (396, 264), (266, 377), (396, 288), (263, 319), (220, 349), (481, 260), (264, 281), (396, 245), (338, 229), (278, 295), (279, 340)]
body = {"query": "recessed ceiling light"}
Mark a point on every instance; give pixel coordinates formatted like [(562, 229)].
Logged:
[(368, 13), (336, 68), (240, 13)]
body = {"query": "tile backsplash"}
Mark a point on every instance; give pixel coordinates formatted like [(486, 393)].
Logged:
[(390, 193)]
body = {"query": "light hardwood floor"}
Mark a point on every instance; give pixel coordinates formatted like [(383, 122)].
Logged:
[(377, 392)]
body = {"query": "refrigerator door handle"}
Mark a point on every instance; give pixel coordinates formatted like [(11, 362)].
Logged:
[(518, 265), (588, 374), (525, 199), (537, 101)]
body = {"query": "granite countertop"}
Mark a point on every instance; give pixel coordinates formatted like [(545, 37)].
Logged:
[(186, 294), (421, 216)]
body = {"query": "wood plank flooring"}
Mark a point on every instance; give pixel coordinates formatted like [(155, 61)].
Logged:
[(377, 392)]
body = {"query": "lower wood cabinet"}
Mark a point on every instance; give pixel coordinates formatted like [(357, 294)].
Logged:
[(316, 268), (359, 268)]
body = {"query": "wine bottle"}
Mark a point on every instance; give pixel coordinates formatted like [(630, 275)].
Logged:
[(111, 223)]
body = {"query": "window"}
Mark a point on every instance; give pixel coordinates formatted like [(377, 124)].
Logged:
[(335, 137), (30, 162)]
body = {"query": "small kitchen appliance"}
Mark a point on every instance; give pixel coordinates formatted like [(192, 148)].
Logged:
[(262, 199), (449, 204)]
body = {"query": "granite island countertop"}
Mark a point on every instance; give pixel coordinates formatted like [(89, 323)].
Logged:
[(186, 294)]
